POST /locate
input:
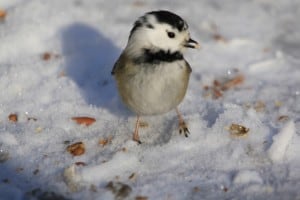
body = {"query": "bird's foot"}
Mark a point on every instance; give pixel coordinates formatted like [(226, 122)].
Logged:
[(136, 136), (183, 129)]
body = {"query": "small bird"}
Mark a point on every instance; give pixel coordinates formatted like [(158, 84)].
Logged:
[(151, 73)]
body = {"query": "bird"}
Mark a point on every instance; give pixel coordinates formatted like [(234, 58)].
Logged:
[(151, 73)]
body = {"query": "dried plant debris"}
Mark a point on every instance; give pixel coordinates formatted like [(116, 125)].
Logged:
[(87, 121), (218, 87), (238, 130), (120, 190), (76, 149)]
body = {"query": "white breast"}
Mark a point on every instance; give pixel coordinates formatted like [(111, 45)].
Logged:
[(157, 89)]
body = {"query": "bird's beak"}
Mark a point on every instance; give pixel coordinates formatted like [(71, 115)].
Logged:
[(192, 44)]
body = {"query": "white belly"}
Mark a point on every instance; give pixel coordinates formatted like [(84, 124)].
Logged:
[(155, 90)]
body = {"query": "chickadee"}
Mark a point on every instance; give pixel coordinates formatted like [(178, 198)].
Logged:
[(151, 73)]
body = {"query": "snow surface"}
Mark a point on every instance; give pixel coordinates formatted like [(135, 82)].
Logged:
[(280, 142), (259, 38)]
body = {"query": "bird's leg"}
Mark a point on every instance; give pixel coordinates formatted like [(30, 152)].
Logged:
[(182, 125), (136, 136)]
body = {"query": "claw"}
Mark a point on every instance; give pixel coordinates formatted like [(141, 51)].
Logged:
[(182, 125), (183, 129), (186, 132), (138, 141)]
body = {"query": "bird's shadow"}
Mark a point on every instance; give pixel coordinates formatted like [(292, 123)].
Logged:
[(89, 58)]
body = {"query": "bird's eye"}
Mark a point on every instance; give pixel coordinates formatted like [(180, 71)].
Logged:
[(171, 34)]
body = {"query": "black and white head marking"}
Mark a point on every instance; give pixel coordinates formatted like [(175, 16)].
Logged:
[(158, 36), (162, 16), (172, 19)]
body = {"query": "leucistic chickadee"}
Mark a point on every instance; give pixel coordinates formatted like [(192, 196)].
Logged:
[(152, 75)]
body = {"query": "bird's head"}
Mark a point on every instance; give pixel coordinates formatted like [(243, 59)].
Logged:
[(159, 30)]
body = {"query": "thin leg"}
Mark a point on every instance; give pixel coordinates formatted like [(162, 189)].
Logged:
[(136, 136), (182, 125)]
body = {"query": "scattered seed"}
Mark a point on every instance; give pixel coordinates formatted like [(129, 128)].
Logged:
[(46, 56), (237, 80), (220, 86), (76, 149), (238, 130), (13, 117), (283, 118), (84, 120), (49, 55)]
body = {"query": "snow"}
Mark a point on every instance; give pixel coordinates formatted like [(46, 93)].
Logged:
[(258, 39), (280, 142), (246, 176)]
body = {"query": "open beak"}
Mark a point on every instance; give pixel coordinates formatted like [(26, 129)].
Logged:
[(192, 44)]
